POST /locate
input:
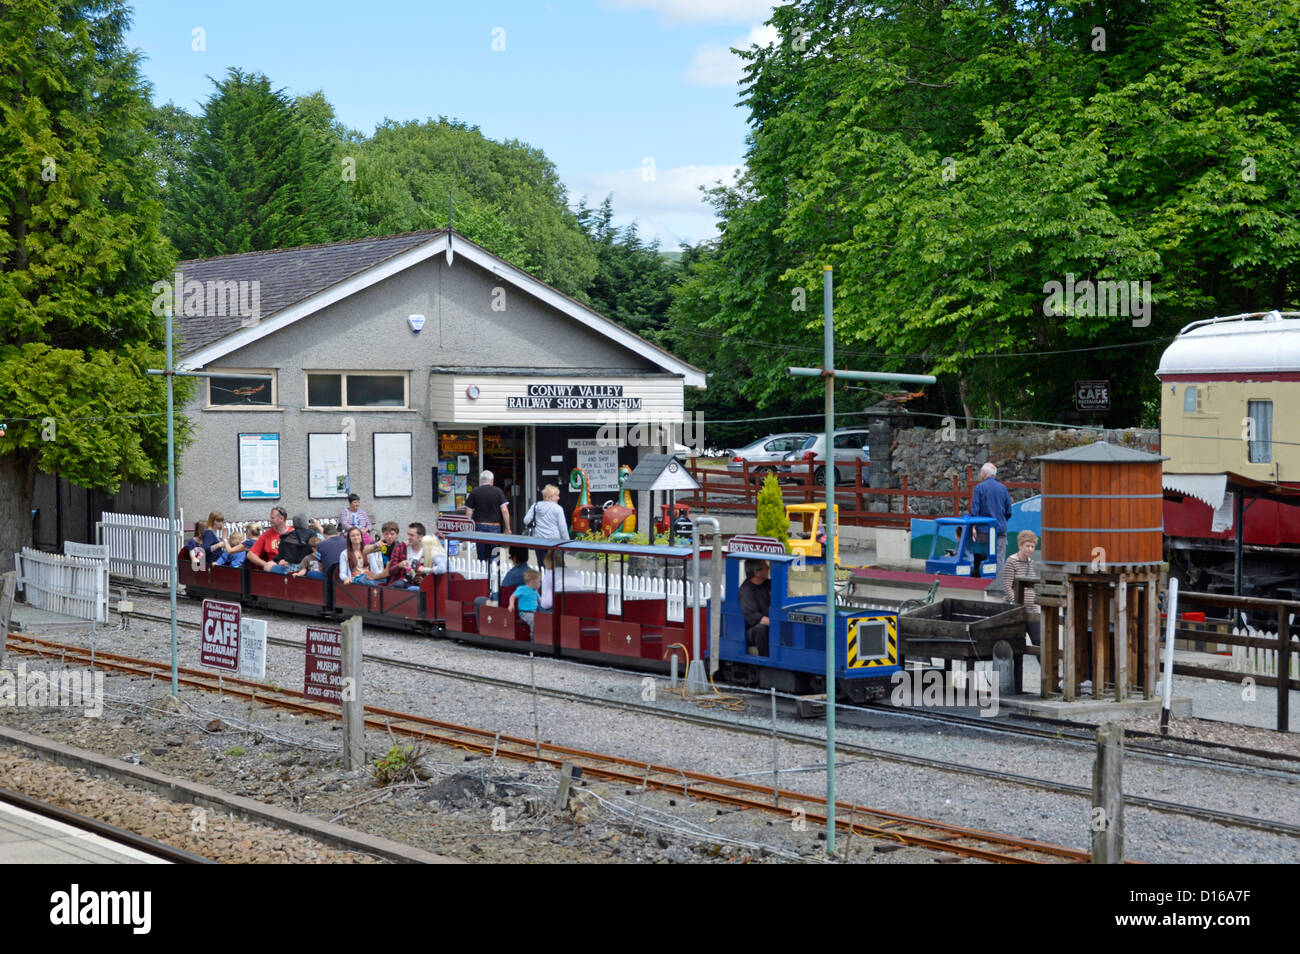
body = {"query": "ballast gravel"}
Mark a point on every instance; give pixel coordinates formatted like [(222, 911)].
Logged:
[(958, 798)]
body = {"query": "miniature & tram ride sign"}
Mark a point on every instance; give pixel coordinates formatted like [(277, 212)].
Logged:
[(323, 664)]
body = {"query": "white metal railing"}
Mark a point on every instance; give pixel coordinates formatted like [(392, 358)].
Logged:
[(1263, 662), (73, 586), (139, 547), (678, 594)]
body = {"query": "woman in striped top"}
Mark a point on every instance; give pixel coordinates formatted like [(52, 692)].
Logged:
[(1020, 566)]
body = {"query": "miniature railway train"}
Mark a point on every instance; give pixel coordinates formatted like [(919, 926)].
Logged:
[(626, 605)]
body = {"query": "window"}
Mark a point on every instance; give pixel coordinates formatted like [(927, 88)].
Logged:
[(782, 444), (1191, 399), (242, 389), (1260, 446), (853, 440), (361, 390)]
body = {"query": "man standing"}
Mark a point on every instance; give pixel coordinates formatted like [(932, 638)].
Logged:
[(991, 499), (755, 600), (487, 504)]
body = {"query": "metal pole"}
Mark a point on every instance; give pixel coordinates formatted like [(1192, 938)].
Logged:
[(828, 341), (1172, 623), (695, 683), (171, 504), (776, 772)]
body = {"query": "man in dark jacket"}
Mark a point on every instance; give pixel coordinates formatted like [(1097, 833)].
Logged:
[(755, 599), (296, 545)]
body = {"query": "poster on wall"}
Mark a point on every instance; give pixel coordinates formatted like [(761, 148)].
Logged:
[(259, 466), (457, 456), (392, 454), (327, 465), (599, 462)]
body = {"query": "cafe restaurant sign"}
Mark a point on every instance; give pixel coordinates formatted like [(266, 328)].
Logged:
[(573, 397)]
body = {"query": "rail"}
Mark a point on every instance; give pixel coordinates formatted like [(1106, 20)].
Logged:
[(1282, 644), (859, 503)]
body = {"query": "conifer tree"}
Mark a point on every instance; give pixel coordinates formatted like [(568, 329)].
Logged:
[(770, 513)]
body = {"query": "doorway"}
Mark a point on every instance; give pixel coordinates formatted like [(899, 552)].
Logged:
[(505, 454)]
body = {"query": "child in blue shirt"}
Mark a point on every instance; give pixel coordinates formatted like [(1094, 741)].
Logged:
[(524, 599)]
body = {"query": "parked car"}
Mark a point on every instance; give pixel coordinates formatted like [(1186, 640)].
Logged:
[(765, 454), (851, 444)]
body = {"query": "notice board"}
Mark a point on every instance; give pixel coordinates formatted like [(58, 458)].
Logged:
[(392, 454), (259, 466), (327, 465)]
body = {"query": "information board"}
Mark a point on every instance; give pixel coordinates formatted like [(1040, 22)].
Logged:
[(323, 665), (219, 637), (259, 466), (252, 648), (392, 455), (327, 465), (599, 460)]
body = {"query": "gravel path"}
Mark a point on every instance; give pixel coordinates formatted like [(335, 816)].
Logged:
[(960, 799)]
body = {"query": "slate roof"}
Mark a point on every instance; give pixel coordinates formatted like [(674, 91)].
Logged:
[(652, 473), (287, 277), (1101, 452)]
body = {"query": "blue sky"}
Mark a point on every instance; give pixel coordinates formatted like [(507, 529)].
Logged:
[(631, 97)]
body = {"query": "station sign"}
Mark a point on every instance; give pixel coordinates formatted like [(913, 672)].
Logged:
[(219, 636), (88, 551), (252, 648), (752, 543), (323, 665), (1092, 395), (454, 523)]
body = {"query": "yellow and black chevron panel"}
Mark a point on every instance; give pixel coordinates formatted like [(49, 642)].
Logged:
[(890, 655)]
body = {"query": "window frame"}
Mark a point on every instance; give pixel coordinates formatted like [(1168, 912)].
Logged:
[(272, 373), (343, 387), (1267, 441)]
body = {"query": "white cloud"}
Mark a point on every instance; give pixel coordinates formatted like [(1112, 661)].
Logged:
[(700, 11), (670, 207), (716, 65)]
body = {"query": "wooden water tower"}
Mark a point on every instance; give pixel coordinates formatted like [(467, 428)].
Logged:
[(1103, 545)]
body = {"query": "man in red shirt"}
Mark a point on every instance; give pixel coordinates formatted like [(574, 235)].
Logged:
[(265, 553)]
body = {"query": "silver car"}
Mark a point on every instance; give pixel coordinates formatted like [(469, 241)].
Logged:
[(851, 444), (765, 454)]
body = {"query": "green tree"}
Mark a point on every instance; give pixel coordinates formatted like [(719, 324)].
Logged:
[(507, 196), (951, 160), (262, 174), (80, 245), (632, 278), (770, 518)]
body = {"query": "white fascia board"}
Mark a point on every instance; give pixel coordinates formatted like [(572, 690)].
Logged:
[(634, 343), (583, 315), (323, 299)]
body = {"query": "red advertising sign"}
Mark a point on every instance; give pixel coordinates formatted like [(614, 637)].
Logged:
[(219, 639), (454, 523), (323, 676), (752, 543)]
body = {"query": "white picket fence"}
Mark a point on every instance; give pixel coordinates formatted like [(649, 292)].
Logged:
[(678, 594), (139, 547), (73, 586), (1263, 662)]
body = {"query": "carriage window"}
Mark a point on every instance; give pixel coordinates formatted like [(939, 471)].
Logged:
[(1260, 434), (1191, 400)]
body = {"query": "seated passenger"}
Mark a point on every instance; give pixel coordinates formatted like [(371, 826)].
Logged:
[(330, 547), (213, 545), (235, 551), (387, 550), (755, 601), (525, 599), (417, 560), (519, 568), (194, 546), (353, 567), (295, 546), (354, 516), (265, 553)]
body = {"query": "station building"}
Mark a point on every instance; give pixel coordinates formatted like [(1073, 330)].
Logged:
[(398, 368)]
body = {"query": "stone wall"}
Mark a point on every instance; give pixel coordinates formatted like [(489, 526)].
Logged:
[(930, 457)]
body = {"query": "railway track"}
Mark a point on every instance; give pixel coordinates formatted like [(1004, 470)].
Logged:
[(104, 830), (854, 820), (1231, 819)]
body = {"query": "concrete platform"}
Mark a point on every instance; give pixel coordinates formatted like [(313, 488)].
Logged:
[(33, 619), (30, 839), (1092, 710)]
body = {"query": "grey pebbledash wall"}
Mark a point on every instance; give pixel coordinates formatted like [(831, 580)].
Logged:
[(930, 461)]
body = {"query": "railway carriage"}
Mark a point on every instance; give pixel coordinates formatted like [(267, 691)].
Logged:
[(631, 606)]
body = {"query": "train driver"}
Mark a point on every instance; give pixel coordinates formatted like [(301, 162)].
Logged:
[(755, 600)]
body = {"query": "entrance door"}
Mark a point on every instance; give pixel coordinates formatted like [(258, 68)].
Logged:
[(504, 455)]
